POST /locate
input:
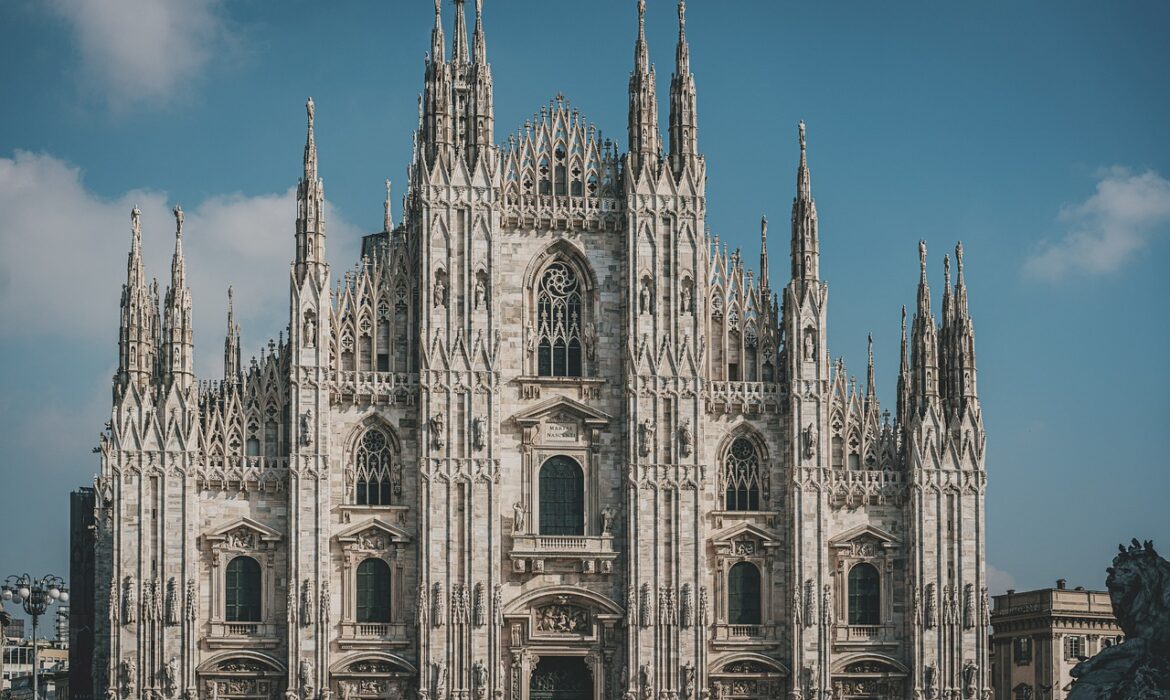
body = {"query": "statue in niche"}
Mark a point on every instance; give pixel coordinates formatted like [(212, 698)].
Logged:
[(518, 513), (310, 329), (970, 670), (590, 341), (685, 438), (645, 436), (437, 430), (306, 428), (685, 299), (810, 344), (440, 680), (127, 673), (305, 674), (928, 681), (479, 678), (478, 439), (644, 305), (1139, 667), (440, 293), (170, 676), (810, 441), (480, 292)]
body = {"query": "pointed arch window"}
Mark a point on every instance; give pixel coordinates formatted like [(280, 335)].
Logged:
[(242, 590), (559, 306), (373, 591), (743, 594), (562, 497), (864, 595), (741, 475), (373, 458)]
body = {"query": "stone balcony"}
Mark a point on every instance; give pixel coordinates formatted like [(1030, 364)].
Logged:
[(562, 553), (390, 388), (242, 635), (744, 636), (742, 397), (865, 635), (374, 635)]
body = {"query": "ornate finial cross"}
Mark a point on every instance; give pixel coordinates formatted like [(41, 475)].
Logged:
[(178, 211), (312, 110)]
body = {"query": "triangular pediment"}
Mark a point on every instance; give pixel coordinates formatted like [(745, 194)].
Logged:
[(370, 529), (242, 529), (742, 531), (561, 406), (864, 532)]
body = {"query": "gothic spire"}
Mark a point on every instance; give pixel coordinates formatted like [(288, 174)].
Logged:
[(805, 237), (139, 315), (438, 41), (388, 215), (870, 389), (683, 112), (310, 204), (903, 377), (643, 117), (962, 358), (478, 42), (924, 350), (764, 273), (177, 347), (231, 343), (459, 49)]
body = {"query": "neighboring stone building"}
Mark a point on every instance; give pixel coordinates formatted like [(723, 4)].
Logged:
[(547, 439), (1040, 635), (81, 622)]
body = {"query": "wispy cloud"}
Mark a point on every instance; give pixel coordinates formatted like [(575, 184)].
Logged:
[(65, 255), (1107, 230), (145, 51), (999, 580)]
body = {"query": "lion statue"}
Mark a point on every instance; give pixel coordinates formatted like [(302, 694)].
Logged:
[(1139, 667)]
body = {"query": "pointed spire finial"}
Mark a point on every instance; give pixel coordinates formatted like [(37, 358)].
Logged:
[(388, 218), (947, 270), (959, 259), (802, 142), (803, 179), (870, 339), (178, 212), (311, 109), (922, 257), (136, 223)]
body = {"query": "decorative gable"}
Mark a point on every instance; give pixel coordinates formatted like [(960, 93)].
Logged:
[(243, 534)]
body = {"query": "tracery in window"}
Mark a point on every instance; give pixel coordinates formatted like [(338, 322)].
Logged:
[(741, 476), (559, 305), (372, 461)]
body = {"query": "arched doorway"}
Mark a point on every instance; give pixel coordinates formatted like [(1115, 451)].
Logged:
[(561, 678)]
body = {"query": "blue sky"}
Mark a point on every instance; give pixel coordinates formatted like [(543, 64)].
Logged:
[(1034, 132)]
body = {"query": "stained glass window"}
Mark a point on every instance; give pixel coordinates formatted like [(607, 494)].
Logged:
[(558, 310)]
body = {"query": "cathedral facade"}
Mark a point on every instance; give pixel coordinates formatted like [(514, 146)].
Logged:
[(546, 440)]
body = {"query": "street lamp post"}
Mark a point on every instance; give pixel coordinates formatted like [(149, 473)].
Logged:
[(35, 595)]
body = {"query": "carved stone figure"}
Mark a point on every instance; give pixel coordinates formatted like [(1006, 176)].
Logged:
[(498, 606), (810, 441), (310, 325), (688, 681), (644, 298), (128, 676), (644, 679), (970, 672), (307, 428), (590, 338), (518, 513), (645, 436), (422, 608), (440, 293), (170, 677), (440, 680), (685, 300), (479, 678), (1139, 667), (478, 436), (810, 344), (928, 674), (607, 514), (438, 428), (685, 438), (480, 292), (306, 603)]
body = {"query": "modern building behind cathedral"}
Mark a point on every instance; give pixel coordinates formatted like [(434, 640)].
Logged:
[(547, 439)]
